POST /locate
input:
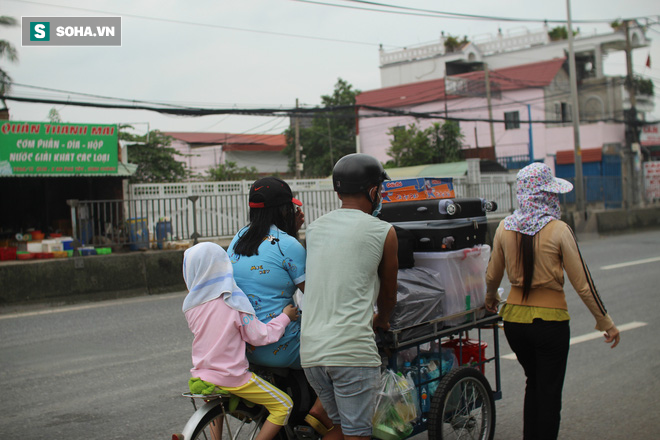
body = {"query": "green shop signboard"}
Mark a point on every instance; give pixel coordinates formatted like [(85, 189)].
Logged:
[(46, 148)]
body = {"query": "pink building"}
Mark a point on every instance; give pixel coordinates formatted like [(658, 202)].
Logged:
[(538, 91)]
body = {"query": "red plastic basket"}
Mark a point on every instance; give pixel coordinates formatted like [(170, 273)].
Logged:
[(7, 253), (468, 351)]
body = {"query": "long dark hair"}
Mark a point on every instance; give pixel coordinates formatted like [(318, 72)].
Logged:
[(282, 216), (526, 261)]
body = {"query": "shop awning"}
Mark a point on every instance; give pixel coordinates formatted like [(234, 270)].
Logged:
[(453, 169)]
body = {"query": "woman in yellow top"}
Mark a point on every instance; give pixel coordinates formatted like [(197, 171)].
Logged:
[(535, 247)]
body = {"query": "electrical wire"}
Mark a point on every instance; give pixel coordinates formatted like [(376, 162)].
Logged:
[(334, 112), (90, 95), (208, 25), (454, 15)]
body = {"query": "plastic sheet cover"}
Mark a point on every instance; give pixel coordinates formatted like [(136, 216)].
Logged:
[(419, 297)]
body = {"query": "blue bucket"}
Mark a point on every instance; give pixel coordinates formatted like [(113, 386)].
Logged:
[(138, 233), (163, 232)]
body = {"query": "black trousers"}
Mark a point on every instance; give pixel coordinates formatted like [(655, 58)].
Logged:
[(542, 350)]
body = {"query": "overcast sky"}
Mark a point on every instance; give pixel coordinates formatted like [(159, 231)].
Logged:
[(261, 53)]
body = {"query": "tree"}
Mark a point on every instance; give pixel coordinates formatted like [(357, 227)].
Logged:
[(54, 115), (155, 159), (230, 171), (559, 33), (447, 142), (409, 147), (452, 44), (643, 86), (330, 135), (439, 143), (7, 50)]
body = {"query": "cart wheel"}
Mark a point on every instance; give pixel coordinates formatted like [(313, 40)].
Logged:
[(462, 407)]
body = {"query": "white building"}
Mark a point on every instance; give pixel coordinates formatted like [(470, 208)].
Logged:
[(202, 151), (429, 61)]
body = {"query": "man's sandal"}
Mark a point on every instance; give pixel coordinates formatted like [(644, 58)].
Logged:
[(316, 424)]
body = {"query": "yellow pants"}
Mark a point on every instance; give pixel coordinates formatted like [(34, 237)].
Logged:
[(277, 402)]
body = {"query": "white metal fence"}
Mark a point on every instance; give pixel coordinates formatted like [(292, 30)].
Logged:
[(221, 208), (154, 212)]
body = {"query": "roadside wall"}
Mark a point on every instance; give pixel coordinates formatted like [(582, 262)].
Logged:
[(91, 278), (620, 220)]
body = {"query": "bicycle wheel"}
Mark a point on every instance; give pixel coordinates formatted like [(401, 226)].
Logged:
[(241, 424), (462, 407)]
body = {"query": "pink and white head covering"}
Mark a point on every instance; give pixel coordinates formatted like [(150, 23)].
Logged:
[(538, 200), (208, 274)]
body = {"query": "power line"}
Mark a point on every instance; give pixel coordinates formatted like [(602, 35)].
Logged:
[(90, 95), (454, 15), (341, 112), (126, 100), (214, 26)]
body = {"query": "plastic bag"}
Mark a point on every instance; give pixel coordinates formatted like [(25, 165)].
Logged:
[(463, 278), (396, 407), (419, 297)]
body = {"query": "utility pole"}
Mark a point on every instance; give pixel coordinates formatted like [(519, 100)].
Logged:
[(332, 161), (445, 91), (630, 190), (490, 108), (297, 146), (575, 116)]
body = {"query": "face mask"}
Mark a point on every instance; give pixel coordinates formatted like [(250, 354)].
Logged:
[(376, 211), (377, 208)]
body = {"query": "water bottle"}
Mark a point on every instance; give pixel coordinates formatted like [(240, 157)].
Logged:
[(407, 368), (424, 397), (433, 374), (449, 361)]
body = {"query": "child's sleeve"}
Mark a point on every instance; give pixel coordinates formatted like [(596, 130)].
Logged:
[(257, 333)]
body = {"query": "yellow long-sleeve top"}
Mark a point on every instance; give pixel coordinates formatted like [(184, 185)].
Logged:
[(555, 250)]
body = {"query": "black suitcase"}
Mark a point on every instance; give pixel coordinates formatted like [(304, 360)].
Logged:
[(436, 209), (446, 235), (406, 240)]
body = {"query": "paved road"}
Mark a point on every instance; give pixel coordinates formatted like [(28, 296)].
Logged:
[(113, 370)]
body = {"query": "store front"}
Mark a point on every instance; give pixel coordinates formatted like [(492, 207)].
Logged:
[(42, 165)]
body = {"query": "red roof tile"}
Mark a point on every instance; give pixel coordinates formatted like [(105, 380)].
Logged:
[(566, 157), (525, 76), (233, 142)]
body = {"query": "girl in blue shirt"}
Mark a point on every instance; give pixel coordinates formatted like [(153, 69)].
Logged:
[(269, 266)]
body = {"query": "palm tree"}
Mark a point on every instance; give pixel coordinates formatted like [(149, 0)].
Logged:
[(9, 51)]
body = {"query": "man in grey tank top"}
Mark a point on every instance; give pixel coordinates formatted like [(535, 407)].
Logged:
[(351, 265)]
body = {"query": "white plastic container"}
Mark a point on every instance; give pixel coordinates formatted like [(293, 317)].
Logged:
[(34, 246), (463, 277), (51, 246)]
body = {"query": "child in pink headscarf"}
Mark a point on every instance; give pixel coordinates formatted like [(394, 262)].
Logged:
[(223, 320)]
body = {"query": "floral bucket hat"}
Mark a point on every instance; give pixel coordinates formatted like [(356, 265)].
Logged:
[(538, 202), (538, 177)]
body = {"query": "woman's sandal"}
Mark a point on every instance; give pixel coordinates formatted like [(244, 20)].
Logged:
[(316, 424)]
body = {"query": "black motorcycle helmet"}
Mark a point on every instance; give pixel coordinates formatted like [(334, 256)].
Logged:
[(356, 173)]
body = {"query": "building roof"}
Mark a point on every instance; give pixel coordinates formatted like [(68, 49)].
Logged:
[(525, 76), (450, 169), (233, 142)]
